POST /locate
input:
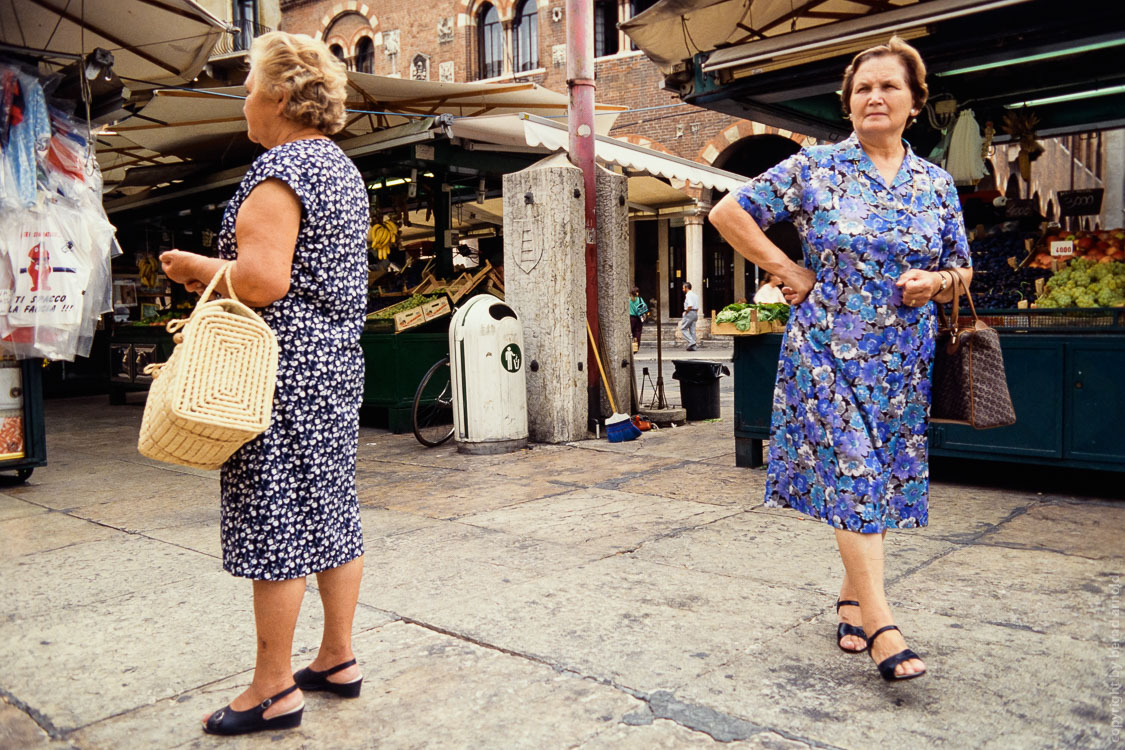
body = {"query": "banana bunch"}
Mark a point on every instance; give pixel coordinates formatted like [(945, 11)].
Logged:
[(147, 267), (382, 237)]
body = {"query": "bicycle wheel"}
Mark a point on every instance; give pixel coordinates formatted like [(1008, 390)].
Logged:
[(432, 415)]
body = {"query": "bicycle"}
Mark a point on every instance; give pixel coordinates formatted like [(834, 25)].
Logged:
[(432, 413)]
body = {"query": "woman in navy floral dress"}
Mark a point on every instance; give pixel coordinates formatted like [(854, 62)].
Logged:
[(295, 232), (883, 234)]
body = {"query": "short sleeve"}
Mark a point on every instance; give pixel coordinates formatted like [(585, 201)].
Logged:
[(954, 242), (775, 194), (286, 165)]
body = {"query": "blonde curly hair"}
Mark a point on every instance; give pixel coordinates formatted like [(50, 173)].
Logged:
[(315, 79)]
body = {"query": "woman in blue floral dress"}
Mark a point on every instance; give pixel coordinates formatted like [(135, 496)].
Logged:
[(883, 235), (295, 232)]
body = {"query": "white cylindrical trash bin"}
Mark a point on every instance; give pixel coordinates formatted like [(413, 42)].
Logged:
[(489, 380)]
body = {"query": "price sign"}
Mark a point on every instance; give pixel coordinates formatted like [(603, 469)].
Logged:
[(1080, 202), (1023, 208), (1062, 249)]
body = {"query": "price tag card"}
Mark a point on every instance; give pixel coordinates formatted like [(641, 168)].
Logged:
[(1063, 249)]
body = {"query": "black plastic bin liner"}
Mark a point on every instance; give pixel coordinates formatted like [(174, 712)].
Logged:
[(699, 386)]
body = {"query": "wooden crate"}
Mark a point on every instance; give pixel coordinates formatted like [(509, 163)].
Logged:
[(436, 308), (756, 328), (415, 316)]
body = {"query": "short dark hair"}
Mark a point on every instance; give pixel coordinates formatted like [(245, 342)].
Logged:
[(687, 284), (911, 63)]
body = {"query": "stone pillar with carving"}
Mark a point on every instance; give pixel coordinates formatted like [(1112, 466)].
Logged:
[(544, 282), (693, 267)]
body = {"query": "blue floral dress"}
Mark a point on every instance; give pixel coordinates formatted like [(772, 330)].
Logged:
[(289, 505), (852, 400)]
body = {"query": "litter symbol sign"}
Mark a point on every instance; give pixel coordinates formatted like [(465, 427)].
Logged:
[(511, 358)]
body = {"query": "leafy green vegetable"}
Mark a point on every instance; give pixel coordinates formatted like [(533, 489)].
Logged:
[(741, 314)]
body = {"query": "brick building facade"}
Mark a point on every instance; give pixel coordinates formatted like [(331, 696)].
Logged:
[(514, 40)]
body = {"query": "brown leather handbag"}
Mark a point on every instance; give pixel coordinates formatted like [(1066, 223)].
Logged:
[(969, 385)]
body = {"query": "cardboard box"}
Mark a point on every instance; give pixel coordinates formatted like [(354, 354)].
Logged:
[(409, 318), (436, 308)]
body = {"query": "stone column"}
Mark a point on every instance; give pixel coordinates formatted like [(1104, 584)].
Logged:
[(1113, 177), (545, 283), (693, 253), (740, 277), (662, 263), (613, 284)]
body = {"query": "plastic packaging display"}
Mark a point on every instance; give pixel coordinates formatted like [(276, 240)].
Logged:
[(55, 239)]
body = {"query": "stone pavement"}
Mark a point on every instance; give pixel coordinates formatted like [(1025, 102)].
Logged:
[(590, 596)]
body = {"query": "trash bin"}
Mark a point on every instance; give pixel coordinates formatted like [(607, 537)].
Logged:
[(489, 379), (699, 386)]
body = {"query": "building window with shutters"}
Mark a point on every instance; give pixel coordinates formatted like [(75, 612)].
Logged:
[(365, 55), (525, 32), (490, 42), (605, 28)]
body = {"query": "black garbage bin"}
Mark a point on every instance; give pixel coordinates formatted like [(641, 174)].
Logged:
[(699, 386)]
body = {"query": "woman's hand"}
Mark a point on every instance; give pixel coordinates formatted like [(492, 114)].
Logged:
[(918, 286), (797, 285), (182, 267)]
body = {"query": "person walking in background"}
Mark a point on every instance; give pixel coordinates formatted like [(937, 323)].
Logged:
[(295, 233), (691, 315), (637, 311), (770, 291), (883, 237)]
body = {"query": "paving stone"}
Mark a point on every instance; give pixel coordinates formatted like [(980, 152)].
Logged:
[(455, 494), (1020, 589), (784, 551), (416, 573), (155, 641), (609, 520), (986, 687), (29, 534), (180, 501), (1088, 529), (716, 485), (695, 442), (663, 734), (580, 467), (633, 622), (421, 690), (962, 513), (18, 730), (14, 507)]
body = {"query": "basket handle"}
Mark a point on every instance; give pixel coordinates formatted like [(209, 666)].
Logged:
[(223, 273)]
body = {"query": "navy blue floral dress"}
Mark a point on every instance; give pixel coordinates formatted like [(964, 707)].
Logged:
[(289, 505), (852, 400)]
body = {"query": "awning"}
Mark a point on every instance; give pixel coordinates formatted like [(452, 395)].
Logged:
[(208, 125), (754, 59), (153, 42), (526, 130)]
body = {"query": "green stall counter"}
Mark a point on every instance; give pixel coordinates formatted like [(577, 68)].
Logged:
[(1064, 375), (394, 364)]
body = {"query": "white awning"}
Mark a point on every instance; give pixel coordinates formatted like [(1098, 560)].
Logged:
[(524, 130)]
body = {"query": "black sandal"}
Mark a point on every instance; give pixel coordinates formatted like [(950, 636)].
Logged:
[(310, 679), (887, 666), (846, 629), (228, 721)]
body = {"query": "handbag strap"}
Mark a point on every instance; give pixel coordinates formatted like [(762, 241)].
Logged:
[(959, 288), (223, 273)]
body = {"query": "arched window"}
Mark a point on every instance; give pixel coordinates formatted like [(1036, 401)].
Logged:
[(365, 55), (605, 27), (525, 33), (490, 42), (338, 51)]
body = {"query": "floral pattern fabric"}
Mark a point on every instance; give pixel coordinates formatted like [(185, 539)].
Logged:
[(852, 399), (289, 505)]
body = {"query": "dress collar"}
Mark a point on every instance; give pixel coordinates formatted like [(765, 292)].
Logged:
[(851, 150)]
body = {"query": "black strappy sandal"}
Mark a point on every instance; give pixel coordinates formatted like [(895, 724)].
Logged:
[(887, 666), (846, 629), (310, 679), (228, 721)]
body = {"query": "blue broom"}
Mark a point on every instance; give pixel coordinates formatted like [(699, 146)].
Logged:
[(618, 427)]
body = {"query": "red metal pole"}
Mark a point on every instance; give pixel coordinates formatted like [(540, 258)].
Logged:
[(580, 82)]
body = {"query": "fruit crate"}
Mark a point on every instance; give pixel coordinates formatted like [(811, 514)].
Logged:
[(1067, 320)]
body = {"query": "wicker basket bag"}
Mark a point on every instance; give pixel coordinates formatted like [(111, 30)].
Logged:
[(215, 392)]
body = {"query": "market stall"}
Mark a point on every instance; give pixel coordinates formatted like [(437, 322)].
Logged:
[(1044, 216)]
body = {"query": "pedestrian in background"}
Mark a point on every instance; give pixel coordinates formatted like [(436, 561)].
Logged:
[(883, 236), (295, 232), (637, 311), (691, 315), (770, 291)]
